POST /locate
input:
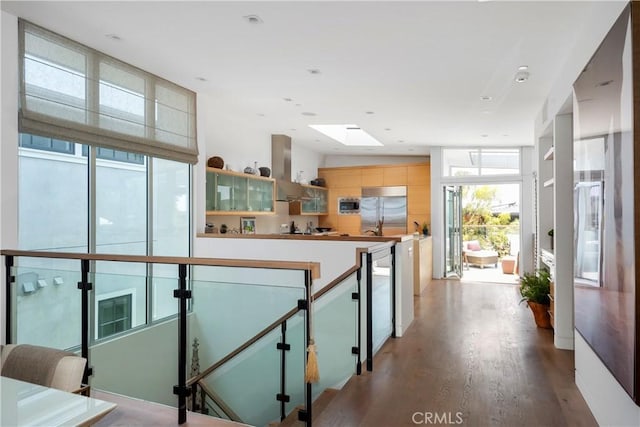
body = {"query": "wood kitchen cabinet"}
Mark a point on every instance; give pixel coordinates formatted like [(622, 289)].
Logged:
[(315, 202), (348, 182), (234, 193)]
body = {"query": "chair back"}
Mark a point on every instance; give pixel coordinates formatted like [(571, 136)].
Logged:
[(43, 365)]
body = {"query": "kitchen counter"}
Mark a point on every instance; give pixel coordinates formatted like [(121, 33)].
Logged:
[(315, 236)]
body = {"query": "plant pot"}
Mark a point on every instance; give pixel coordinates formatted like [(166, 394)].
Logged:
[(540, 314)]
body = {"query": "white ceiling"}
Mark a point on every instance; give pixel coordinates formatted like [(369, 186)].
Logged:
[(420, 67)]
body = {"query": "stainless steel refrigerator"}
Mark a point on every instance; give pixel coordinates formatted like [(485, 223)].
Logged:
[(384, 203)]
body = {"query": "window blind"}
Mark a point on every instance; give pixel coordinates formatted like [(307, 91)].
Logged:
[(72, 92)]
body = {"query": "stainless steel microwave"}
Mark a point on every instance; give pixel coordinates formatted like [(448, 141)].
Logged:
[(348, 205)]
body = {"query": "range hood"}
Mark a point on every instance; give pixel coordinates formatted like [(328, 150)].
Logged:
[(281, 169)]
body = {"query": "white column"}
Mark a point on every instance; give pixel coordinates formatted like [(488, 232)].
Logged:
[(563, 220)]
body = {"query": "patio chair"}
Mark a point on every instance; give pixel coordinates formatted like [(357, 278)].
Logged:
[(473, 254)]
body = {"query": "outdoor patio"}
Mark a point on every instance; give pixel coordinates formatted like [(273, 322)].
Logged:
[(489, 273)]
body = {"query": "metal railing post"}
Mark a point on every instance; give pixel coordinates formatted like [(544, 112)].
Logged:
[(181, 389), (358, 297), (369, 312), (8, 280), (283, 397), (85, 286), (306, 414), (393, 291)]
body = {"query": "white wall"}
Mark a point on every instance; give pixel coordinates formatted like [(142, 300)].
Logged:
[(608, 401), (333, 161), (8, 144), (142, 365), (335, 257)]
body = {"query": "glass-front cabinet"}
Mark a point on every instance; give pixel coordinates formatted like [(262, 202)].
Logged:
[(234, 193), (314, 202)]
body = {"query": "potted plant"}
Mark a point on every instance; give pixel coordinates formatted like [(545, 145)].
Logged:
[(425, 229), (534, 288)]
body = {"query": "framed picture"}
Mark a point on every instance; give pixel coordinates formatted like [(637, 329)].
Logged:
[(248, 225)]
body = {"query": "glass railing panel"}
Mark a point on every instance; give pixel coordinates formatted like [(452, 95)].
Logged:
[(46, 303), (231, 305), (335, 328), (295, 358), (164, 279), (250, 383), (381, 300), (229, 311)]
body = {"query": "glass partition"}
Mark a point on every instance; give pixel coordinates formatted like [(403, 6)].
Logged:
[(46, 303), (336, 333), (233, 309), (382, 299)]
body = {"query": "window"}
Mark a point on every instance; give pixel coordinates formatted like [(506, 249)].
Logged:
[(461, 162), (103, 168), (141, 207), (70, 91), (114, 315), (46, 144)]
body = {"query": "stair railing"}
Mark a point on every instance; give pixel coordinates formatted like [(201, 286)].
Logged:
[(363, 256)]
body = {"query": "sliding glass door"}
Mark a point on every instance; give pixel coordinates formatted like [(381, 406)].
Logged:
[(453, 229)]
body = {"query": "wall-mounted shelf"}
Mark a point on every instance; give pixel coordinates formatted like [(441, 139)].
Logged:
[(549, 182), (549, 154)]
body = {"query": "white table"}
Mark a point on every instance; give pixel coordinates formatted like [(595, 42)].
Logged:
[(26, 404)]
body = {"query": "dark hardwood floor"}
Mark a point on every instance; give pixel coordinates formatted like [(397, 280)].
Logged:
[(472, 357)]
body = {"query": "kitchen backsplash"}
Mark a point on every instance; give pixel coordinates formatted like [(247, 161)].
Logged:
[(266, 224)]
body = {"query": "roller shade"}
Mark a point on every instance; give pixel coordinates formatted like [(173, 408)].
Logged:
[(72, 92)]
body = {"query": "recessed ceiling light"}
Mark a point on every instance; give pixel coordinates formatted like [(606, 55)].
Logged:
[(486, 98), (253, 19), (387, 129), (350, 134), (308, 113), (260, 114), (411, 149), (202, 79), (113, 37), (369, 112), (505, 134), (288, 99), (401, 141), (523, 67), (313, 71), (317, 140), (484, 135), (293, 129), (522, 76)]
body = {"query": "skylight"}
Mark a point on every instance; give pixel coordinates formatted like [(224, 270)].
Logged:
[(350, 135)]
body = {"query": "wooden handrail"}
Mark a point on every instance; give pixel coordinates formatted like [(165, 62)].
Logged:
[(314, 267), (221, 403)]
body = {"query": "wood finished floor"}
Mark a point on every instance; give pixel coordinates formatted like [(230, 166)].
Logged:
[(473, 350)]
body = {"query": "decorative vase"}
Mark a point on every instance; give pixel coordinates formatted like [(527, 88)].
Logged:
[(265, 171), (540, 314), (215, 162)]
